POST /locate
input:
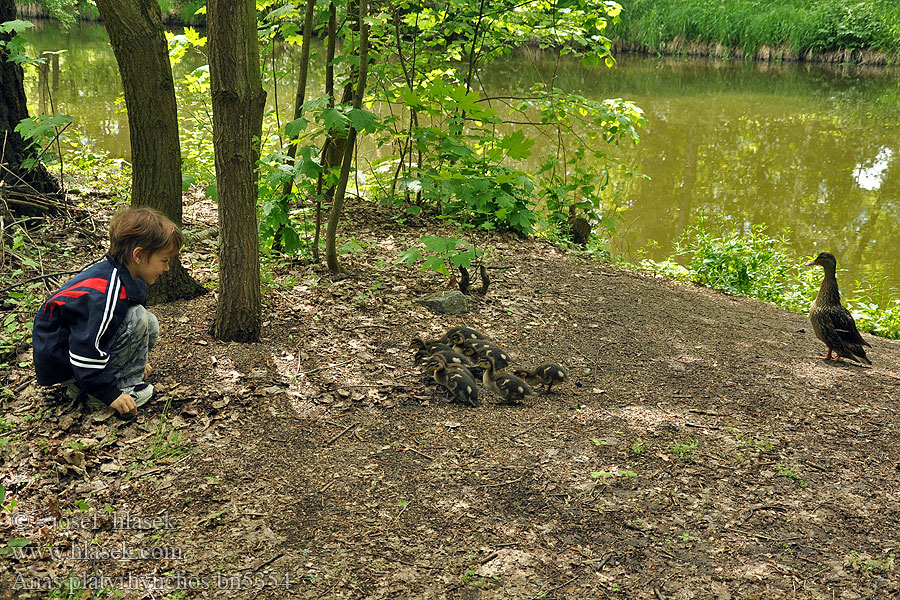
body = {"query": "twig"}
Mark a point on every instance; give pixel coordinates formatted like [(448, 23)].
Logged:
[(658, 594), (422, 454), (338, 436), (402, 510), (488, 485), (347, 362), (39, 277), (563, 584), (262, 566)]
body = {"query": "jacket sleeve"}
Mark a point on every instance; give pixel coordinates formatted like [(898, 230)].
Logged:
[(89, 341)]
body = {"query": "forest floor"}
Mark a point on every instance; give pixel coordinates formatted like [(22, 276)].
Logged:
[(700, 450)]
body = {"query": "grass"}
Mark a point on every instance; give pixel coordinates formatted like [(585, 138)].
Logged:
[(684, 448), (757, 265), (800, 25)]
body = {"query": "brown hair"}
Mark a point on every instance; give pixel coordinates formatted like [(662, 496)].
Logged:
[(144, 228)]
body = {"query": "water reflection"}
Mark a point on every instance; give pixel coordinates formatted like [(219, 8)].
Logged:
[(809, 148), (871, 175)]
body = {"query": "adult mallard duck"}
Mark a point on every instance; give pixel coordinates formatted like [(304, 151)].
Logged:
[(833, 323)]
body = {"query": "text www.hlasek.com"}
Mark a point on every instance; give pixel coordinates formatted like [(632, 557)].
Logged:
[(92, 552)]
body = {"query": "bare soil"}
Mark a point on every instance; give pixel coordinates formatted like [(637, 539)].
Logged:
[(700, 450)]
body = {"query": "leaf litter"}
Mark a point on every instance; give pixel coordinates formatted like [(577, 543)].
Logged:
[(319, 463)]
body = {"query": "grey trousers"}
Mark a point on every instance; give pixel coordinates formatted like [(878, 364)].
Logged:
[(131, 347)]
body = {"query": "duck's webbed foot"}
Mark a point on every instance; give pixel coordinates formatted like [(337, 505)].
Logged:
[(828, 356)]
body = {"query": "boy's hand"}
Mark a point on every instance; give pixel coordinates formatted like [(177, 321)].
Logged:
[(147, 371), (125, 406)]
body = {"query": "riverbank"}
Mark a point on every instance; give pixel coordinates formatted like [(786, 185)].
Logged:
[(700, 449), (829, 31), (782, 53)]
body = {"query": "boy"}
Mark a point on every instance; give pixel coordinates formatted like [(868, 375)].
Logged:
[(94, 333)]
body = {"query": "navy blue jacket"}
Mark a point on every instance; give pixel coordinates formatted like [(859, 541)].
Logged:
[(74, 328)]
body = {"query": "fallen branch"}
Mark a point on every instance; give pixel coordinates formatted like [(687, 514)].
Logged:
[(341, 434)]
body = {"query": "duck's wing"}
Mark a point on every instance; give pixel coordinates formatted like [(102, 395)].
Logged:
[(839, 327)]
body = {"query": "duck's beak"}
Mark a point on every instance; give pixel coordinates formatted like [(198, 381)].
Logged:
[(811, 263)]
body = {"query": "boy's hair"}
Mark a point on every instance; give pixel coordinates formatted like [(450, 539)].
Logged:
[(142, 227)]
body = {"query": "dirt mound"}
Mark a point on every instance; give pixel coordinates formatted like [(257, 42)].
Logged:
[(700, 450)]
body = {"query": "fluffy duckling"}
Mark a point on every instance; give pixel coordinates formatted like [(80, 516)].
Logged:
[(455, 378), (547, 374), (478, 349), (429, 346), (457, 335), (450, 356), (510, 388), (832, 323)]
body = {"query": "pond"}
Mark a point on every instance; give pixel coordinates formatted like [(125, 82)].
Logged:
[(811, 149)]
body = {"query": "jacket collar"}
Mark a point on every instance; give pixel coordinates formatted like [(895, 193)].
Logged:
[(135, 289)]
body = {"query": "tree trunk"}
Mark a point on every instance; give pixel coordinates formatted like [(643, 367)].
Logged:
[(237, 101), (137, 37), (301, 81), (337, 206), (13, 108)]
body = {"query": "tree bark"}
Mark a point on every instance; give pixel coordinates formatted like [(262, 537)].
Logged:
[(301, 80), (137, 37), (13, 108), (238, 100), (337, 206)]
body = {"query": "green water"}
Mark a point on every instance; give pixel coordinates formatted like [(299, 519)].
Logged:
[(809, 148)]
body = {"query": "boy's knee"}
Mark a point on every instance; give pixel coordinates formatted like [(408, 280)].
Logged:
[(152, 327), (137, 321)]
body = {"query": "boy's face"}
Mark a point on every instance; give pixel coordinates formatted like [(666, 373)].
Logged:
[(149, 267)]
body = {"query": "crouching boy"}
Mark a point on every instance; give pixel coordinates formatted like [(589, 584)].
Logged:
[(95, 333)]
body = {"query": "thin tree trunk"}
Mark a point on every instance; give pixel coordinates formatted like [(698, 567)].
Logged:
[(238, 101), (337, 207), (14, 108), (326, 147), (301, 81), (138, 40)]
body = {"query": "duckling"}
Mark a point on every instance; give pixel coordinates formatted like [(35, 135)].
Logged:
[(456, 335), (455, 378), (429, 346), (832, 323), (548, 374), (470, 347), (476, 349), (451, 356), (510, 388)]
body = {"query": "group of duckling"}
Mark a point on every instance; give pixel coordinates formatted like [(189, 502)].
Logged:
[(455, 359)]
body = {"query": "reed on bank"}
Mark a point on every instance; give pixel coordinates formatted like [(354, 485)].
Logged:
[(790, 29)]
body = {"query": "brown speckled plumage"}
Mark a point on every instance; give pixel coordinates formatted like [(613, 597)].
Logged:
[(831, 322)]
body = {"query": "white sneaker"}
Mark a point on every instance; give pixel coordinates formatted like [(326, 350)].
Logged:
[(141, 393)]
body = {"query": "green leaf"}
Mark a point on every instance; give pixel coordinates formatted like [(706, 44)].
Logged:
[(290, 239), (435, 263), (333, 119), (16, 25), (441, 245), (42, 126), (410, 256), (309, 164), (463, 259), (363, 120), (17, 542), (2, 494), (294, 128), (413, 211), (187, 181), (212, 192), (517, 145)]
